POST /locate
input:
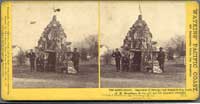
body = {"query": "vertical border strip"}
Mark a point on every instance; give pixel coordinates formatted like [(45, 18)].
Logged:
[(192, 47), (6, 49), (99, 43)]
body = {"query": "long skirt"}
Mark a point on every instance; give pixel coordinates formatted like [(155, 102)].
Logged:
[(71, 69)]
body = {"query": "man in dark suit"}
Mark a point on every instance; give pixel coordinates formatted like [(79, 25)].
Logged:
[(125, 62), (161, 58), (75, 59), (117, 56), (32, 57), (40, 63)]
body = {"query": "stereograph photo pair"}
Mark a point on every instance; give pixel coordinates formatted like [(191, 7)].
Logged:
[(100, 50)]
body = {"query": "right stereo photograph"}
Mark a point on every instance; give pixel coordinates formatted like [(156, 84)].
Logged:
[(142, 44)]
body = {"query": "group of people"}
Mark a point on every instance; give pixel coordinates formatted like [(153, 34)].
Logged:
[(122, 61), (42, 63)]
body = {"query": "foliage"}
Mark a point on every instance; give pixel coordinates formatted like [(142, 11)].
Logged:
[(83, 53), (88, 46), (21, 58), (176, 45), (92, 43), (107, 57)]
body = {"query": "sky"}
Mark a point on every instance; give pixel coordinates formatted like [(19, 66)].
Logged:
[(165, 20), (79, 19)]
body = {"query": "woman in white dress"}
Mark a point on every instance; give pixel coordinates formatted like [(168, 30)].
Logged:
[(70, 68), (156, 68)]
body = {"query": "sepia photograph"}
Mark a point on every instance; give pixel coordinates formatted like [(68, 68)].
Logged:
[(99, 50), (55, 44), (142, 44)]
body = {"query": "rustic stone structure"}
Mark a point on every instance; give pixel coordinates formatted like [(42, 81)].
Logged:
[(138, 44), (53, 45)]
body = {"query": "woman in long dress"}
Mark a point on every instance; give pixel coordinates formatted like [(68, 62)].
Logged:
[(70, 68), (156, 68)]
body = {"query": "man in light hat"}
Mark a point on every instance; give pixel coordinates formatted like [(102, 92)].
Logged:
[(161, 59)]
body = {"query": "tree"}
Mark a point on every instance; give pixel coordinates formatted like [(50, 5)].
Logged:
[(170, 53), (177, 45), (92, 44), (83, 53), (107, 57), (89, 44), (21, 58)]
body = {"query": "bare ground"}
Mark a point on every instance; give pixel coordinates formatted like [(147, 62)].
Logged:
[(173, 77), (86, 78)]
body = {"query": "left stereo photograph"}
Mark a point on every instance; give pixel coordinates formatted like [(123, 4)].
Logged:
[(55, 44)]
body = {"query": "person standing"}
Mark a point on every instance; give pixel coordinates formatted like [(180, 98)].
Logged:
[(75, 59), (161, 59), (32, 57), (40, 63), (125, 62), (117, 56)]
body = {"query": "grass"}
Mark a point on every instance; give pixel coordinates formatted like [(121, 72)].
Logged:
[(86, 78), (174, 76)]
